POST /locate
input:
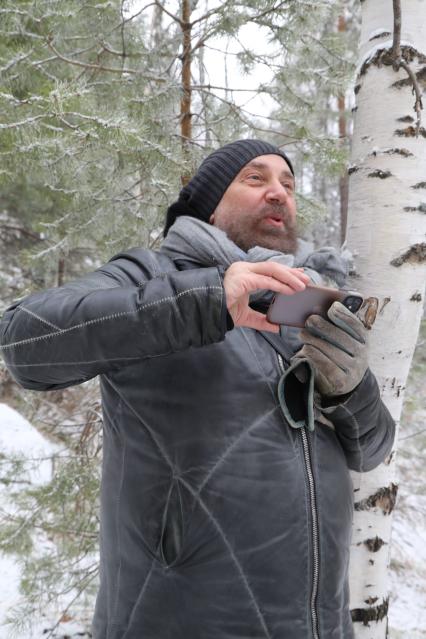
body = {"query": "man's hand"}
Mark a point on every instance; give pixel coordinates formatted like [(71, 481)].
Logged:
[(337, 350), (242, 278)]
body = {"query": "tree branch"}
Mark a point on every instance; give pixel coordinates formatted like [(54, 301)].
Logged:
[(399, 62), (86, 65), (167, 12), (20, 229), (98, 67)]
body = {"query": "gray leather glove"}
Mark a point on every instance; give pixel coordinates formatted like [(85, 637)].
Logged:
[(336, 349)]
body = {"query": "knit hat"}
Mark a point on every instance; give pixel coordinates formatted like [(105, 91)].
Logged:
[(200, 197)]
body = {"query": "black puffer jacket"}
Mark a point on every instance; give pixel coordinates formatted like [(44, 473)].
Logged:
[(219, 521)]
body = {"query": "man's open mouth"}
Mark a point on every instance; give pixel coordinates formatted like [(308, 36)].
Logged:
[(275, 220)]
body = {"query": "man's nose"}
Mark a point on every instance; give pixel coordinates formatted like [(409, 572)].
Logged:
[(276, 192)]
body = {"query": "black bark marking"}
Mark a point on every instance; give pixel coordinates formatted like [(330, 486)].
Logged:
[(355, 108), (384, 498), (384, 34), (357, 89), (410, 132), (353, 169), (390, 458), (404, 152), (416, 209), (374, 544), (371, 600), (405, 118), (416, 297), (419, 185), (378, 173), (371, 562), (406, 82), (373, 613), (416, 254), (394, 387), (384, 57)]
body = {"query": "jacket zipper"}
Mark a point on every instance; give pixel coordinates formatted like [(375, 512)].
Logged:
[(314, 521)]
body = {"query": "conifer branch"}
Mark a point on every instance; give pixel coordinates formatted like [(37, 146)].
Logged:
[(87, 65), (209, 13), (132, 17), (99, 67), (16, 125), (23, 231)]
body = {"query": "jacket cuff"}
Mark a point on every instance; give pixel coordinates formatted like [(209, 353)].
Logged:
[(333, 401), (226, 320)]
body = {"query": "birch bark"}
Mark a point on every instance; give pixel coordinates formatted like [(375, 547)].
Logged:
[(386, 234)]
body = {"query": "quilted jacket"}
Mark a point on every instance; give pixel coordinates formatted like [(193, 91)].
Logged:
[(218, 520)]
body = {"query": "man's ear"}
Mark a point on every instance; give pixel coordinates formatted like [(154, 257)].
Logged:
[(211, 219)]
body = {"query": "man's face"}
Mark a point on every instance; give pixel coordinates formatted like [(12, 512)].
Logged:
[(258, 208)]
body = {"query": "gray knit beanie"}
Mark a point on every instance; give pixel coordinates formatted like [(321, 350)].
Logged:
[(200, 197)]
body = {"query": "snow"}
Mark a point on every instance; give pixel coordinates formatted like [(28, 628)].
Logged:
[(377, 33), (386, 44), (17, 437)]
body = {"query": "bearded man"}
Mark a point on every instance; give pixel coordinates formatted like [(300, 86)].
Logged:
[(226, 501)]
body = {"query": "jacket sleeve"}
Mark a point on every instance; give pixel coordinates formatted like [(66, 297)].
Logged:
[(363, 425), (109, 318)]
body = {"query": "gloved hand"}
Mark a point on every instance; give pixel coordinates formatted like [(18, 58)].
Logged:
[(336, 349)]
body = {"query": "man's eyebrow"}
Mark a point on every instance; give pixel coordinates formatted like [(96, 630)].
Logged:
[(260, 165)]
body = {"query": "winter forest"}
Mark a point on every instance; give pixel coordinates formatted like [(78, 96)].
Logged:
[(106, 109)]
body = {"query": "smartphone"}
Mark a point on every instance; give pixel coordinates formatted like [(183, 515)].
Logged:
[(293, 310)]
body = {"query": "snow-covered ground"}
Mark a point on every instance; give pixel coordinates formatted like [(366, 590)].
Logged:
[(17, 436)]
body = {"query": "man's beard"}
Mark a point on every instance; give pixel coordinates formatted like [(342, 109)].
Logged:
[(256, 232)]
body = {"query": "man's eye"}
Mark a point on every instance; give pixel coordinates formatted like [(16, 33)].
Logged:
[(254, 177)]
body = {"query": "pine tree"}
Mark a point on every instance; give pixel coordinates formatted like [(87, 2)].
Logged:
[(104, 114)]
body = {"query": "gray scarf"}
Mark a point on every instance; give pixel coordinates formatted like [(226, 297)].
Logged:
[(192, 240)]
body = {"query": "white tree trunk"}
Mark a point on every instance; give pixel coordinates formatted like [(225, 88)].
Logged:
[(386, 234)]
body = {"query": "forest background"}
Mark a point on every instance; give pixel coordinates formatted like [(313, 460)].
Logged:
[(106, 108)]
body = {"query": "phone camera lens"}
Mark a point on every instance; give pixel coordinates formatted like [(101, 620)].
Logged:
[(353, 303)]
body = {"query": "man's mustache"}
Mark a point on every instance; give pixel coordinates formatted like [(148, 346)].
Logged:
[(278, 211)]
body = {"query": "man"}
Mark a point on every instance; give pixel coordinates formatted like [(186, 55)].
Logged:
[(225, 507)]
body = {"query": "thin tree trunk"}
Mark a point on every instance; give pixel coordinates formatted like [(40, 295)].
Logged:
[(61, 271), (386, 234), (343, 181), (185, 105)]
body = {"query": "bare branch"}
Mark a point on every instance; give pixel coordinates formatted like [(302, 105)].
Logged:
[(23, 231), (396, 46), (87, 65), (98, 67), (209, 13), (130, 18), (399, 62), (167, 12)]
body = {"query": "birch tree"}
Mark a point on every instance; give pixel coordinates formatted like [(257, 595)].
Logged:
[(386, 235)]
